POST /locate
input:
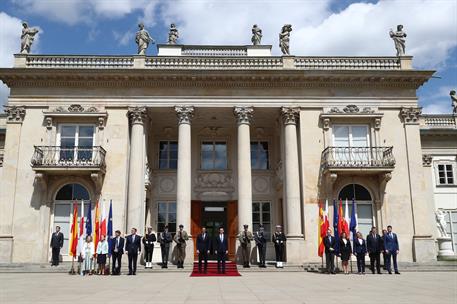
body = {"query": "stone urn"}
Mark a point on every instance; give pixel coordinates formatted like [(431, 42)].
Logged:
[(445, 251)]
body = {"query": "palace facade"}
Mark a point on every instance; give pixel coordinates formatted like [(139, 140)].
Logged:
[(215, 136)]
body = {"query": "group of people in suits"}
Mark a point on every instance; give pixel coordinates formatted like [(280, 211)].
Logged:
[(374, 246)]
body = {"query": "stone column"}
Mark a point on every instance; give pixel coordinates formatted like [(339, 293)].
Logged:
[(136, 200), (244, 116), (184, 173), (292, 187), (15, 117), (422, 209)]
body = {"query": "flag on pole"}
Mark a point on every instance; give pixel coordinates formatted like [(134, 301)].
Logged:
[(89, 220), (335, 227), (81, 229), (340, 218), (326, 221), (104, 221), (346, 219), (321, 231), (110, 226), (74, 231), (97, 225), (354, 220)]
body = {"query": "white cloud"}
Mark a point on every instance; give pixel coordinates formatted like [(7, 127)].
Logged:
[(124, 38), (439, 107)]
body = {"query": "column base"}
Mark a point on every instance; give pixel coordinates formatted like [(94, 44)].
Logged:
[(295, 250), (6, 248), (424, 249)]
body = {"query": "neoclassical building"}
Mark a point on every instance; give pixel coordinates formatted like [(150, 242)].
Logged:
[(214, 135)]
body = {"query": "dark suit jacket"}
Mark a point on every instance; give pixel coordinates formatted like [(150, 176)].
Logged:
[(203, 244), (221, 247), (345, 250), (57, 240), (165, 239), (360, 248), (120, 249), (374, 244), (133, 246), (391, 242), (329, 243)]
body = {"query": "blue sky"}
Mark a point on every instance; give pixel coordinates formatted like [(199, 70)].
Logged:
[(323, 27)]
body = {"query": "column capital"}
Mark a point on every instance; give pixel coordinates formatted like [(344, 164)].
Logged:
[(185, 114), (137, 115), (14, 114), (289, 115), (427, 160), (411, 115), (243, 114)]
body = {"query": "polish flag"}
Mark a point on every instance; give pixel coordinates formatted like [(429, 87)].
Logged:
[(346, 218), (104, 220), (81, 229)]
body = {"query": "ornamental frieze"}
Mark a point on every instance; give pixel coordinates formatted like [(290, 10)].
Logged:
[(14, 114)]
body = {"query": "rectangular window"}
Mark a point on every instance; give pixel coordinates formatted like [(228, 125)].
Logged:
[(451, 226), (213, 155), (261, 214), (352, 143), (445, 174), (168, 155), (259, 155), (76, 142), (166, 215)]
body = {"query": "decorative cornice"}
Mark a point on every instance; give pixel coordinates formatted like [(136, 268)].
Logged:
[(411, 115), (289, 115), (75, 110), (14, 114), (352, 109), (243, 114), (427, 160), (137, 115), (184, 114)]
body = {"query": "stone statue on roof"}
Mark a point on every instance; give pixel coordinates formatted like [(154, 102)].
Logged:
[(173, 34), (284, 37), (27, 37), (399, 38), (256, 35), (454, 101), (142, 38)]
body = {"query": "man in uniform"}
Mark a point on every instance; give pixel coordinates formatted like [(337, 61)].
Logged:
[(180, 238), (279, 239), (245, 237), (203, 244), (261, 243), (56, 245), (117, 250), (148, 243), (165, 239), (133, 247)]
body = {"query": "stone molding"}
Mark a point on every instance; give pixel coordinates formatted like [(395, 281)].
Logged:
[(184, 114), (243, 114), (427, 160), (137, 115), (15, 114), (411, 115), (290, 115), (75, 110)]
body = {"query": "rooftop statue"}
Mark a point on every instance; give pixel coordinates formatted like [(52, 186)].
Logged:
[(256, 35), (173, 34), (399, 38), (454, 101), (27, 37), (143, 39), (284, 38)]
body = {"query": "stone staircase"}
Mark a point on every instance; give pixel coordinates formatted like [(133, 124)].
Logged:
[(439, 266)]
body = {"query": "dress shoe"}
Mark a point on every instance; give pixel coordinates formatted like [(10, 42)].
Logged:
[(397, 272), (390, 272)]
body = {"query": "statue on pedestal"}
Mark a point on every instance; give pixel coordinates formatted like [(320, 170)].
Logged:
[(256, 35), (284, 38), (454, 101), (173, 34), (441, 223), (27, 37), (143, 39), (399, 38)]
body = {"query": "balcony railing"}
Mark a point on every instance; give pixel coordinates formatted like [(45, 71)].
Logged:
[(358, 158), (439, 120), (71, 157)]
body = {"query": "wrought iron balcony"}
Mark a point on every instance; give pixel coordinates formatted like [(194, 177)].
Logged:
[(56, 157), (350, 158)]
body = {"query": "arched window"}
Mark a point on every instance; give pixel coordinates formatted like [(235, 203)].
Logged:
[(63, 209), (364, 205)]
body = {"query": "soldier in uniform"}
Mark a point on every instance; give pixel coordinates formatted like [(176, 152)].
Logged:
[(165, 239), (148, 242), (180, 238), (261, 243), (245, 237), (279, 239)]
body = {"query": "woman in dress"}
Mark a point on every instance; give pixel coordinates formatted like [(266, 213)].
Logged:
[(87, 256), (345, 252), (102, 251), (360, 250)]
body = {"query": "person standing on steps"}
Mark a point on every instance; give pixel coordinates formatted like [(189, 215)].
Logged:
[(133, 248), (261, 243), (148, 243), (279, 239), (181, 237), (203, 245), (56, 245), (221, 250), (117, 250), (165, 239), (245, 237)]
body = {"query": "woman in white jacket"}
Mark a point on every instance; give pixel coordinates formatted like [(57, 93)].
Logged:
[(87, 256), (102, 251)]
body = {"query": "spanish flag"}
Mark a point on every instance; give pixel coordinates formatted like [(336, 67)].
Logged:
[(97, 226), (74, 231), (321, 231)]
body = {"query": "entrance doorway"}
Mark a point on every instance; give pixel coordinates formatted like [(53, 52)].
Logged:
[(214, 216)]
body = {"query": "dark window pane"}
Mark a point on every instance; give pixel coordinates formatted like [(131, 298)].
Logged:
[(160, 227), (162, 207), (266, 207), (172, 227), (86, 131), (442, 180), (207, 146), (173, 146), (67, 142), (256, 217), (172, 207), (174, 154), (67, 131), (163, 164), (255, 207), (161, 218), (80, 193), (65, 193), (171, 217), (173, 164), (450, 180)]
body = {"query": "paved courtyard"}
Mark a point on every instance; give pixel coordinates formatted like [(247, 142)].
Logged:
[(286, 287)]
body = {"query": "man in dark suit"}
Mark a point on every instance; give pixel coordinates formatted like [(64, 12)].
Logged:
[(133, 247), (391, 248), (221, 250), (56, 245), (117, 250), (203, 244), (329, 243), (165, 239), (374, 248)]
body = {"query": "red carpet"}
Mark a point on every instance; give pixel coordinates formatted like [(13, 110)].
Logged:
[(230, 270)]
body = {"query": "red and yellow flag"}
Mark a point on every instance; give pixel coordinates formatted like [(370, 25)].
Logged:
[(74, 231), (97, 226), (321, 231)]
